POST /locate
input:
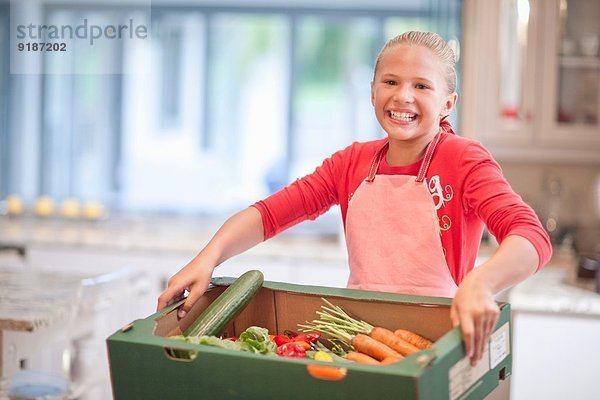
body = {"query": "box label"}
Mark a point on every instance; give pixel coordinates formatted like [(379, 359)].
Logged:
[(462, 376), (499, 345)]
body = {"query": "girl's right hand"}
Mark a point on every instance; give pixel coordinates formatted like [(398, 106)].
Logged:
[(239, 233), (194, 277)]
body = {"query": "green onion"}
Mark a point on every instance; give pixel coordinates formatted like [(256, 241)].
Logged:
[(335, 322)]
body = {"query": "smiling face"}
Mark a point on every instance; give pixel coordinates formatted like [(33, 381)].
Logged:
[(410, 95)]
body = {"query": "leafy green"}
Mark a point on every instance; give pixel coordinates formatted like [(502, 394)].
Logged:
[(254, 339), (209, 341)]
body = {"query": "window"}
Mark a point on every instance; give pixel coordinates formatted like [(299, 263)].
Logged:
[(219, 107), (82, 112), (331, 90)]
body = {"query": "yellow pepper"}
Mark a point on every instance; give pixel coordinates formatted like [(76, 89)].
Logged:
[(323, 356)]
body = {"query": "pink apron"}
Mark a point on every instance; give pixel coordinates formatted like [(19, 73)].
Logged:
[(393, 234)]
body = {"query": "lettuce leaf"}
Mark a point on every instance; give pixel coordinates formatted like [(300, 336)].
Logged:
[(256, 339)]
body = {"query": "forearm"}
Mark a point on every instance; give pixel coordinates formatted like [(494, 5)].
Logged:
[(240, 232), (514, 261), (474, 308)]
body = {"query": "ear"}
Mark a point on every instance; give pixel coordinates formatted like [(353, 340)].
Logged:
[(372, 94), (449, 104)]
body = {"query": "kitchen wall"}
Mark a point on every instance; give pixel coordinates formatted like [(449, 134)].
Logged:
[(568, 193)]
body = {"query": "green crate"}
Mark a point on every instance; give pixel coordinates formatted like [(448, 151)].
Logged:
[(142, 367)]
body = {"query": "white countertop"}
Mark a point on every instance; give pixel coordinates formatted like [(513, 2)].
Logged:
[(155, 233), (556, 289)]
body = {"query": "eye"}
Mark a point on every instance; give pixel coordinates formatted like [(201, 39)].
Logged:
[(390, 82), (421, 86)]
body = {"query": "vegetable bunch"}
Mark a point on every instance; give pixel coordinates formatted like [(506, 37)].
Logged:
[(254, 340), (367, 344), (291, 344)]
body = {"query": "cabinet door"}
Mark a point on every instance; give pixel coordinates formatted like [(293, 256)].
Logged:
[(499, 70), (571, 100), (548, 366), (531, 71)]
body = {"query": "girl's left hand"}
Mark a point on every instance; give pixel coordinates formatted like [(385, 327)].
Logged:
[(475, 310)]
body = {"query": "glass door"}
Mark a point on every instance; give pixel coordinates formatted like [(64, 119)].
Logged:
[(578, 77), (570, 97), (512, 81), (514, 104)]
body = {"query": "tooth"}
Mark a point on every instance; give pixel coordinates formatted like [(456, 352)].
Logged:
[(402, 116)]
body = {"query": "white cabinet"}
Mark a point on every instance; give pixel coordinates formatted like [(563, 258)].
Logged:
[(555, 356), (556, 323), (531, 79)]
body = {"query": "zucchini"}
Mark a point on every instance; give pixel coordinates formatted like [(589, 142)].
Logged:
[(227, 306)]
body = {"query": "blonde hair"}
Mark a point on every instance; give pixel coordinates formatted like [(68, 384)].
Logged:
[(433, 42)]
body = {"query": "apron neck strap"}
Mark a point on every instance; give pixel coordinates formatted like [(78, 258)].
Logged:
[(424, 165), (428, 157), (376, 161)]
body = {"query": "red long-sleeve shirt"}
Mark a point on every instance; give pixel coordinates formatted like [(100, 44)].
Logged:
[(466, 184)]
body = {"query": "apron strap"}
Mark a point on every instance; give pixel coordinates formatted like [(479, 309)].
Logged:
[(429, 156), (376, 161), (424, 165)]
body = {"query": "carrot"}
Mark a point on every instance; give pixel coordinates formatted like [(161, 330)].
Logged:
[(390, 360), (360, 358), (326, 372), (388, 338), (372, 347), (414, 339)]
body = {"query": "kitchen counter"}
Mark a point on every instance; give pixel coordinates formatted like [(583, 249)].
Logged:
[(36, 309), (32, 300), (158, 245), (47, 315), (154, 234), (556, 289)]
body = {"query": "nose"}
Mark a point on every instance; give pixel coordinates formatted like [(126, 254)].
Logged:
[(404, 93)]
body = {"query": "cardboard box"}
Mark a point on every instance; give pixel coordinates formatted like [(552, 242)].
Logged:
[(142, 367)]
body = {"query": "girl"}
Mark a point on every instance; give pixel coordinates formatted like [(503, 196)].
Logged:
[(413, 204)]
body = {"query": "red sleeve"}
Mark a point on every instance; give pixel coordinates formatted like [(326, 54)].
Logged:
[(490, 196), (306, 198)]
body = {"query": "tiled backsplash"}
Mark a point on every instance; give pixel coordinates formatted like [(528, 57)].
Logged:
[(570, 194)]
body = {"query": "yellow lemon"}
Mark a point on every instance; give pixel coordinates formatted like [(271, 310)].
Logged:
[(44, 206), (70, 208), (93, 210), (14, 205)]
